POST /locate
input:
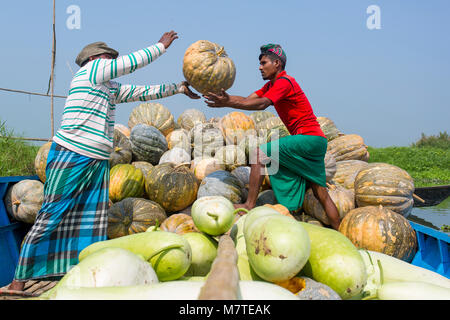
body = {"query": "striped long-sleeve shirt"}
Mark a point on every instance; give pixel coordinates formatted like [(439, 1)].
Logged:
[(89, 113)]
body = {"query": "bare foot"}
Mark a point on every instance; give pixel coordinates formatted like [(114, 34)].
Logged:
[(16, 285)]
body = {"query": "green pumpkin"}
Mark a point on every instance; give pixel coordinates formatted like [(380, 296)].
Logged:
[(24, 199), (121, 149), (174, 187), (223, 183), (125, 181), (147, 143), (206, 139), (133, 215)]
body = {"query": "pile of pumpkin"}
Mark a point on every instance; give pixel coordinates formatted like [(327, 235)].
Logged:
[(160, 166)]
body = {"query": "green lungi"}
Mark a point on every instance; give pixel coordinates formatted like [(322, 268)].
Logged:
[(300, 160)]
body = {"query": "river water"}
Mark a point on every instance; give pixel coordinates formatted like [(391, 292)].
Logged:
[(434, 217)]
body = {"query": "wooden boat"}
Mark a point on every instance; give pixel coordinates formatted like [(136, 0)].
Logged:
[(431, 195)]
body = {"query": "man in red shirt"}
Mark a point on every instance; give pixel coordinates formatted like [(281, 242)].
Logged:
[(300, 156)]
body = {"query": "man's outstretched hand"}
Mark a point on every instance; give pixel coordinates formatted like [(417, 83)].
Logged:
[(217, 100), (167, 38), (187, 91)]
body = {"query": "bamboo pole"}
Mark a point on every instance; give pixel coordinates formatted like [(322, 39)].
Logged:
[(53, 72), (31, 93), (223, 280)]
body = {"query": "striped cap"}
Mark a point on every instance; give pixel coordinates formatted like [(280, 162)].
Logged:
[(276, 49)]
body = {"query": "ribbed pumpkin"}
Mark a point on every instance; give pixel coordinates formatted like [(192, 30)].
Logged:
[(143, 166), (232, 156), (385, 184), (243, 174), (176, 156), (259, 116), (179, 223), (179, 138), (207, 67), (174, 187), (330, 166), (328, 128), (249, 143), (133, 215), (147, 143), (223, 183), (125, 181), (40, 162), (263, 127), (205, 166), (121, 150), (122, 128), (235, 126), (382, 230), (348, 147), (346, 169), (189, 117), (266, 197), (277, 132), (205, 139), (344, 200), (152, 114), (24, 199)]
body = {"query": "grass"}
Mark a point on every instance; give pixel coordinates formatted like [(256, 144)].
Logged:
[(16, 156), (427, 160)]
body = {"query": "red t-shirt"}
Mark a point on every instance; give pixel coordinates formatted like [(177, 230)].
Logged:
[(292, 105)]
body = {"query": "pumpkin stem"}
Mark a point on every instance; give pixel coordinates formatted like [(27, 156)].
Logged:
[(172, 246), (381, 272), (220, 51), (117, 149), (16, 203), (240, 209), (213, 215)]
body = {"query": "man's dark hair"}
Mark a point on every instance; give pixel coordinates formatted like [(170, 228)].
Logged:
[(273, 57)]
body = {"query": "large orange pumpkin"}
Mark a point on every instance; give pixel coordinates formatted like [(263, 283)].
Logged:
[(125, 181), (235, 126), (40, 162), (179, 223), (385, 184), (379, 229), (207, 67), (133, 215)]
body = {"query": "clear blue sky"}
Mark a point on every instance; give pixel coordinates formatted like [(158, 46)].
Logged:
[(387, 85)]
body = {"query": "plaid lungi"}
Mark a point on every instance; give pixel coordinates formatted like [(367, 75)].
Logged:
[(299, 159), (73, 215)]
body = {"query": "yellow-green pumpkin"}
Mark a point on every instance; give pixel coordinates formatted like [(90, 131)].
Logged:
[(348, 147), (125, 181), (179, 223), (385, 184), (152, 114), (174, 187), (207, 67)]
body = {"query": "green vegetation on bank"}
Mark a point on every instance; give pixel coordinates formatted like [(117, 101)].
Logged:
[(427, 160), (16, 156)]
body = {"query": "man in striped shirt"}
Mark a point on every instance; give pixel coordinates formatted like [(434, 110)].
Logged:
[(74, 213)]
